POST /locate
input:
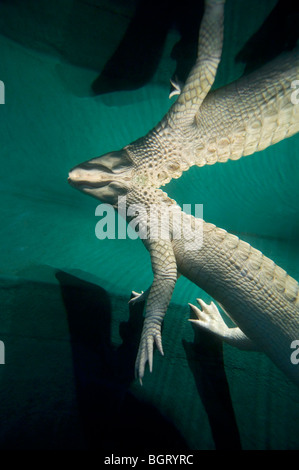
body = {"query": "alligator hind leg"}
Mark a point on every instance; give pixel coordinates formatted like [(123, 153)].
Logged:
[(210, 319)]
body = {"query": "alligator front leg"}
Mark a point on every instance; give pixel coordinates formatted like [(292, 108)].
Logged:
[(143, 295), (165, 276)]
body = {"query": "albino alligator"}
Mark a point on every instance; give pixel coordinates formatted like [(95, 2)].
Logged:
[(204, 127)]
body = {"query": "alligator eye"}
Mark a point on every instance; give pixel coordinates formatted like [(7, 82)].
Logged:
[(114, 162)]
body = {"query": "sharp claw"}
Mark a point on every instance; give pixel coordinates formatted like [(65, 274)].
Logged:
[(137, 297), (141, 372), (150, 354), (176, 89), (135, 294), (146, 352), (201, 303), (158, 342), (195, 310)]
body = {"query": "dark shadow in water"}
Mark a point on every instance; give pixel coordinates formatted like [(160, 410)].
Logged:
[(137, 57), (205, 358), (278, 33), (112, 417), (187, 21)]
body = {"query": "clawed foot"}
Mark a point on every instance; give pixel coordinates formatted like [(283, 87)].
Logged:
[(209, 318), (150, 335), (138, 297), (176, 88)]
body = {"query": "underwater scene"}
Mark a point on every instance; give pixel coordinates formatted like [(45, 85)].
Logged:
[(81, 80)]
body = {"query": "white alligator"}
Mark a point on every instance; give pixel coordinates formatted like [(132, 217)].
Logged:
[(205, 127)]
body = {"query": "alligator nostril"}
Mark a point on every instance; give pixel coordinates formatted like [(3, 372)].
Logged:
[(74, 174), (71, 181)]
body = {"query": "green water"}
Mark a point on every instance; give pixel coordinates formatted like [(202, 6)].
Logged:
[(70, 339)]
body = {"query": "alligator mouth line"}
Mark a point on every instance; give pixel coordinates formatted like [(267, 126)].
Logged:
[(83, 184), (94, 166)]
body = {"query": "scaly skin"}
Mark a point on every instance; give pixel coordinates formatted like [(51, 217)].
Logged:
[(204, 127)]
